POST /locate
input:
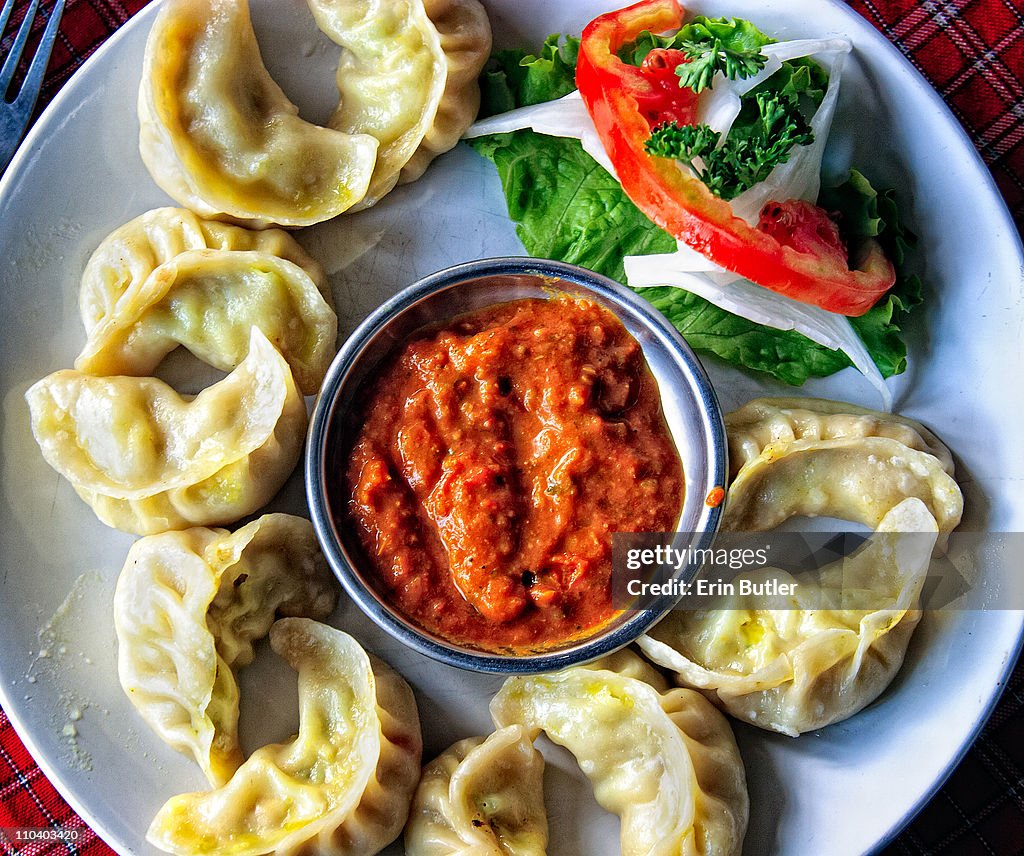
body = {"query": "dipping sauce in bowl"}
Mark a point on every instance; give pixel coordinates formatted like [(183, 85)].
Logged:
[(495, 456), (480, 438)]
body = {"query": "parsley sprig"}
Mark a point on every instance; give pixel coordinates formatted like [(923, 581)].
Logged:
[(711, 55), (730, 45), (749, 153)]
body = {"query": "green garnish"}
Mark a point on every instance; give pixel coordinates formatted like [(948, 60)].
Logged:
[(749, 153), (711, 56), (730, 45), (864, 212)]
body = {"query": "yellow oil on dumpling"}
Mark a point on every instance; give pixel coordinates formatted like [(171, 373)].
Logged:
[(481, 797), (343, 785), (221, 138), (188, 608), (147, 459), (666, 763), (209, 301)]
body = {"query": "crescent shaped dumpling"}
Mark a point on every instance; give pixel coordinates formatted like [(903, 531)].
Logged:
[(850, 476), (343, 785), (666, 763), (407, 76), (766, 422), (188, 607), (221, 138), (828, 655), (147, 460), (208, 301), (481, 797), (128, 255)]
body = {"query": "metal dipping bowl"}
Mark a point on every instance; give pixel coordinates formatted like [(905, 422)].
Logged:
[(690, 406)]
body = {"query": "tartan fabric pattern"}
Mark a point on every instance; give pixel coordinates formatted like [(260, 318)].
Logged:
[(973, 53)]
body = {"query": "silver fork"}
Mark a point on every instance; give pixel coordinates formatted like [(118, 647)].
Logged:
[(16, 112)]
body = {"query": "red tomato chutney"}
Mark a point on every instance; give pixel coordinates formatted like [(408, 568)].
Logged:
[(494, 459)]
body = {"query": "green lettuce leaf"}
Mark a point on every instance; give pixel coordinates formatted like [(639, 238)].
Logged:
[(567, 207), (865, 213), (515, 78)]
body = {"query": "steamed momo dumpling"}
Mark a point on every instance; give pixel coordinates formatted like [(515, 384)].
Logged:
[(187, 609), (833, 460), (481, 797), (408, 77), (390, 78), (823, 657), (128, 255), (220, 137), (148, 460), (209, 301), (342, 786), (626, 663), (666, 763), (842, 639), (776, 422)]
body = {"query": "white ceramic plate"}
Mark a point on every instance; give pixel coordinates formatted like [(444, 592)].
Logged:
[(841, 791)]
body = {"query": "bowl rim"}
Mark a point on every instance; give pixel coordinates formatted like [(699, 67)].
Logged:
[(375, 607)]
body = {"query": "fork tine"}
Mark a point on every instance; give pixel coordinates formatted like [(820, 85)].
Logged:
[(5, 14), (37, 68), (11, 63)]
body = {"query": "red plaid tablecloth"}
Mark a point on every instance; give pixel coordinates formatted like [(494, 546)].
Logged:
[(973, 52)]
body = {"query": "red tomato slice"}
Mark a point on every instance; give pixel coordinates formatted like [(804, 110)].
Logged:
[(618, 97), (667, 101)]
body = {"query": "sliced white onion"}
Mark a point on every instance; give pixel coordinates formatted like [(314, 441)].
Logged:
[(685, 258), (719, 106), (564, 117), (758, 304)]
